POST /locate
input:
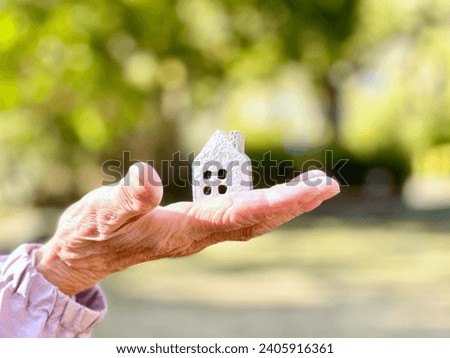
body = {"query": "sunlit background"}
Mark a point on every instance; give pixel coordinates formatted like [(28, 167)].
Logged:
[(83, 81)]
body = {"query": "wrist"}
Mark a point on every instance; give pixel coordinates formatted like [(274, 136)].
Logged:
[(56, 271)]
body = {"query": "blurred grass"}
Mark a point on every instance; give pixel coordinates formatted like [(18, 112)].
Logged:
[(371, 269), (317, 276)]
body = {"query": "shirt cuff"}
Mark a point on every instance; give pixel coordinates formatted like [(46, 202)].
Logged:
[(30, 306)]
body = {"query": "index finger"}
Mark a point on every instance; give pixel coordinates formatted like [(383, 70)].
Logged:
[(289, 198)]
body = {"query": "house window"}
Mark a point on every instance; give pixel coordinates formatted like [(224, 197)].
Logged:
[(222, 189), (222, 174), (207, 190), (207, 174)]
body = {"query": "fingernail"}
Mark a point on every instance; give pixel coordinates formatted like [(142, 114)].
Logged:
[(324, 183)]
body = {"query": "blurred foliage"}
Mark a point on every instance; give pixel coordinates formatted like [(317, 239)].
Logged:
[(81, 81)]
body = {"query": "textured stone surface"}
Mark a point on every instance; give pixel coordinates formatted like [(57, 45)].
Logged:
[(221, 167)]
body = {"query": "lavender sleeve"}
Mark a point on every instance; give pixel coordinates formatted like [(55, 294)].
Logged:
[(30, 306)]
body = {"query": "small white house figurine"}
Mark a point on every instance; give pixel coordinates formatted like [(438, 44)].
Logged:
[(221, 167)]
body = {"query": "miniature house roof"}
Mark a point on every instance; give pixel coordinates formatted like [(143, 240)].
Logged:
[(220, 144)]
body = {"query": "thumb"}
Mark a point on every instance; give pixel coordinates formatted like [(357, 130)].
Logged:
[(139, 192)]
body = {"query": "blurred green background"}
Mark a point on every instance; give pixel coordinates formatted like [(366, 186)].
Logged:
[(83, 81)]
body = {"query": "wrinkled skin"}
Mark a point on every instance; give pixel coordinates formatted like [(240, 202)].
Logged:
[(114, 227)]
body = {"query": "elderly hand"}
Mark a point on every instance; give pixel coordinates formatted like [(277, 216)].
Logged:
[(115, 227)]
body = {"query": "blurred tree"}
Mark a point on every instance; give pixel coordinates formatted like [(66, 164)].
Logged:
[(82, 81), (396, 89)]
